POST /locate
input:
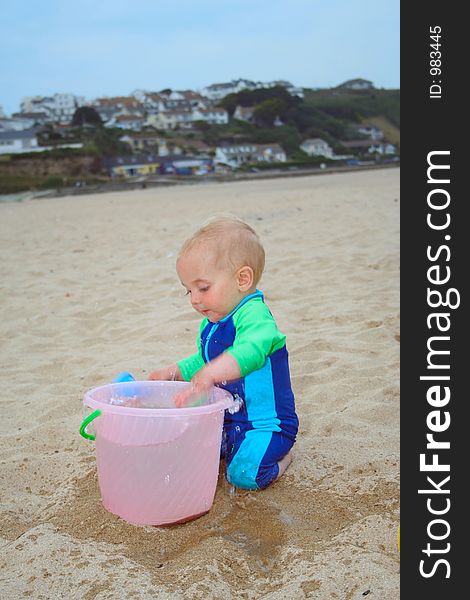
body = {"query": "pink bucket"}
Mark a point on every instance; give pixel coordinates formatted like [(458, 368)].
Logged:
[(157, 464)]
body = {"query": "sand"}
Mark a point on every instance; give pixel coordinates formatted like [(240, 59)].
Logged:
[(89, 289)]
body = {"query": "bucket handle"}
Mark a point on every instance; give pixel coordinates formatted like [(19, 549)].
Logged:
[(83, 432)]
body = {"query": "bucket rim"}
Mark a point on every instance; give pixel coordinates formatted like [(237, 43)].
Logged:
[(225, 401)]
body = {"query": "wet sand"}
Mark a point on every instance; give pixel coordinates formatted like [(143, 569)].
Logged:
[(89, 289)]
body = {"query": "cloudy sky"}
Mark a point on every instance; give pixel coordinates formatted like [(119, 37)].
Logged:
[(98, 48)]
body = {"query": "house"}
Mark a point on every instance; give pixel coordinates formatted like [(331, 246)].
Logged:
[(213, 116), (132, 166), (186, 165), (244, 113), (131, 122), (370, 147), (357, 84), (271, 153), (151, 101), (181, 145), (38, 118), (15, 124), (292, 89), (217, 91), (171, 119), (317, 147), (59, 107), (16, 142), (146, 141), (240, 154), (110, 108), (118, 102), (372, 132), (195, 99)]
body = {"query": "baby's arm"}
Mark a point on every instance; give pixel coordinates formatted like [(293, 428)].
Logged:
[(223, 368)]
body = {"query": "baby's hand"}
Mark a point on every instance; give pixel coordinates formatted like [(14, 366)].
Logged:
[(201, 385)]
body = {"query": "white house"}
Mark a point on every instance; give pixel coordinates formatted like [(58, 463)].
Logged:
[(271, 153), (37, 118), (217, 91), (317, 147), (370, 146), (213, 116), (127, 122), (15, 142), (59, 107), (292, 89), (244, 113), (239, 154), (15, 124), (373, 133), (357, 84), (171, 119), (110, 108)]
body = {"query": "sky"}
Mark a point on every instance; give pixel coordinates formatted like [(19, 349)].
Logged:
[(96, 48)]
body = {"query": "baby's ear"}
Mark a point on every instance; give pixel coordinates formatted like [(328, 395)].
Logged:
[(245, 278)]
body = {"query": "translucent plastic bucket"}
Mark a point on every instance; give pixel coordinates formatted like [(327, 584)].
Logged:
[(157, 464)]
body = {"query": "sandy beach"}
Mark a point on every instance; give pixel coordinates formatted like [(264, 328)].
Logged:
[(89, 289)]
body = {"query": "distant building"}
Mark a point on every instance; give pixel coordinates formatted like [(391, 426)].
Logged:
[(38, 118), (317, 147), (217, 91), (11, 124), (132, 166), (110, 108), (146, 141), (59, 108), (373, 133), (171, 119), (292, 89), (213, 116), (130, 122), (370, 147), (357, 84), (237, 155), (244, 113), (186, 165), (16, 142)]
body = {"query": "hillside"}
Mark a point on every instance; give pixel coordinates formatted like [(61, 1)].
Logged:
[(352, 105), (331, 114)]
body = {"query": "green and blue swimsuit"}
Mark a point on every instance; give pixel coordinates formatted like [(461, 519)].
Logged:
[(264, 429)]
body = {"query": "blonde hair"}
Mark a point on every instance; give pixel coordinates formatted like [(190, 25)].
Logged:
[(236, 244)]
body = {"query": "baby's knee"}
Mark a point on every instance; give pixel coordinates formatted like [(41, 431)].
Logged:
[(242, 475), (251, 477)]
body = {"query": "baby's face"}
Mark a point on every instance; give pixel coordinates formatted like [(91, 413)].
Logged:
[(213, 290)]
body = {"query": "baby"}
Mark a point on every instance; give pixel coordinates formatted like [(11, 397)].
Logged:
[(240, 349)]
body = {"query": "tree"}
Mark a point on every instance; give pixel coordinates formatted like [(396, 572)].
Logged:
[(86, 115), (265, 113)]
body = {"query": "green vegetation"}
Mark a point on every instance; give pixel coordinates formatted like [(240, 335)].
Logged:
[(353, 105), (327, 114), (257, 97), (12, 184), (86, 115)]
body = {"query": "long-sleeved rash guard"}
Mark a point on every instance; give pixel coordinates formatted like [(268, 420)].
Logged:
[(250, 334)]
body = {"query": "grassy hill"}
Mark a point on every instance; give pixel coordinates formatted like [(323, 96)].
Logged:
[(354, 105)]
